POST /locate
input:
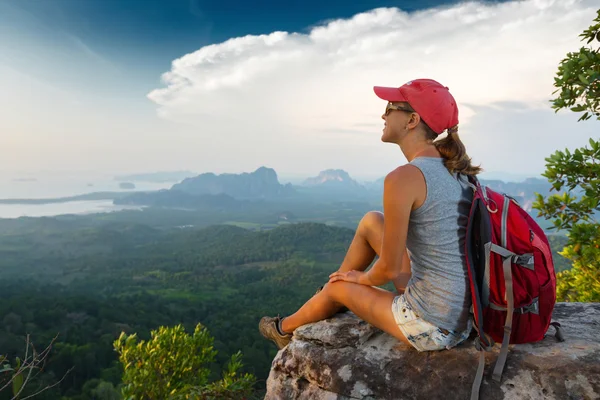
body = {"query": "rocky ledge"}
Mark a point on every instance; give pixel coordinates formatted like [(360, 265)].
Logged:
[(346, 358)]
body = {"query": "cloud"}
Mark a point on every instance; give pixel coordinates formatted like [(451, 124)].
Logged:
[(309, 96)]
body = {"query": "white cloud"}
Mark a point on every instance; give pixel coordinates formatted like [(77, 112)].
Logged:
[(293, 97)]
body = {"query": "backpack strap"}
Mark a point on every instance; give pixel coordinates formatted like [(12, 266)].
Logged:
[(507, 258), (559, 332), (479, 345), (508, 284)]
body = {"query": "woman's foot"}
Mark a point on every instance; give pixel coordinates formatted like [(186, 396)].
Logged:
[(269, 328)]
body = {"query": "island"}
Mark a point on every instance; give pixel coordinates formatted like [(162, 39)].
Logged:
[(126, 185)]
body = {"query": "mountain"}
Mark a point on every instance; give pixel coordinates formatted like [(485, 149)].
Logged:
[(335, 185), (376, 185), (260, 184), (524, 192), (228, 191), (332, 178)]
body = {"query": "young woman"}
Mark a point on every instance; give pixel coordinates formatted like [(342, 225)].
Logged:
[(419, 238)]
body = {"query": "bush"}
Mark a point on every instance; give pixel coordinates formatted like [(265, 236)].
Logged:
[(175, 365)]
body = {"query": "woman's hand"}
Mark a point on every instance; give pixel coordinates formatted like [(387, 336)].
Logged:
[(350, 276)]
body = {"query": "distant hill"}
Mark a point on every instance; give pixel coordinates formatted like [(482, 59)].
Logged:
[(217, 192), (334, 178), (523, 192), (376, 185), (126, 185), (260, 184), (225, 191)]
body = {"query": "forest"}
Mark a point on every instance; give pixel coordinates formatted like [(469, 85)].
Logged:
[(84, 281)]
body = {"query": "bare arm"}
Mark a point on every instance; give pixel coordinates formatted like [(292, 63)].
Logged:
[(399, 195), (402, 279)]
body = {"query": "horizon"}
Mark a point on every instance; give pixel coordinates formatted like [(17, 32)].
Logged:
[(294, 178), (191, 85)]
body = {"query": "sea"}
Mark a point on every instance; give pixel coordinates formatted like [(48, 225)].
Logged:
[(57, 185)]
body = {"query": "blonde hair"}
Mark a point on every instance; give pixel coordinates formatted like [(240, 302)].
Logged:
[(453, 150), (450, 147)]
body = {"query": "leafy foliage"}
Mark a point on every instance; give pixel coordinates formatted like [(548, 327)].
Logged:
[(173, 364), (577, 208), (578, 77), (89, 278), (89, 284), (576, 172)]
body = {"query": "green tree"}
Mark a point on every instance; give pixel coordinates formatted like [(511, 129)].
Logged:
[(105, 391), (578, 77), (577, 174), (175, 365)]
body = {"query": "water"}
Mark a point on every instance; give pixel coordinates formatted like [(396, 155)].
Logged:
[(72, 207), (42, 186)]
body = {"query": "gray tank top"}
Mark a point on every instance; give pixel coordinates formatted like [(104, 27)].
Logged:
[(438, 290)]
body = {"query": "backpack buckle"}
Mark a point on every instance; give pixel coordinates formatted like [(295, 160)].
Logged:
[(533, 308), (491, 201)]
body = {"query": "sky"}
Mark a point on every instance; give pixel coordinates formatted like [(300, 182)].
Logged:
[(125, 86)]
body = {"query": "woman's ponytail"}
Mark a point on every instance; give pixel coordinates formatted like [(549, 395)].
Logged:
[(455, 154)]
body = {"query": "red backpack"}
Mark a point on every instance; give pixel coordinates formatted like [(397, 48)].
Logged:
[(511, 273)]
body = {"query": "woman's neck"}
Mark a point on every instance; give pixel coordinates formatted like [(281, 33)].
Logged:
[(419, 149)]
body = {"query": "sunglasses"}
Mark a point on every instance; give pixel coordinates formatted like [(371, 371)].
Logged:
[(391, 107)]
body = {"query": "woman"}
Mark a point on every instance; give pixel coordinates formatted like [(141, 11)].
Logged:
[(420, 242)]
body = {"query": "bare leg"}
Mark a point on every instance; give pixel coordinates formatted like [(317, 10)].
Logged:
[(366, 243), (363, 249), (371, 304)]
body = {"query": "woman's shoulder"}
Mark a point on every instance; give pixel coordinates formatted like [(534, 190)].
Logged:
[(402, 174), (404, 179)]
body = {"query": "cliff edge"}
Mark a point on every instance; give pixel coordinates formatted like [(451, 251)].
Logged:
[(345, 358)]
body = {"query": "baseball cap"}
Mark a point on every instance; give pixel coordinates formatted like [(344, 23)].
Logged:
[(430, 99)]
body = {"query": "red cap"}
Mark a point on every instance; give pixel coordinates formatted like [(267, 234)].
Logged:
[(430, 99)]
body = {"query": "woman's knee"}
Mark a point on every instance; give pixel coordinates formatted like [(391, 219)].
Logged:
[(373, 220), (337, 291)]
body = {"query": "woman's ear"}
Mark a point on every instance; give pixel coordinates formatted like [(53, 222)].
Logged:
[(413, 121)]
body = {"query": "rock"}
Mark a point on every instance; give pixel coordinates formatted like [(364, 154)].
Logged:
[(346, 358)]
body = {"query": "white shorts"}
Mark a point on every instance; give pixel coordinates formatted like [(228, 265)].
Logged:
[(420, 333)]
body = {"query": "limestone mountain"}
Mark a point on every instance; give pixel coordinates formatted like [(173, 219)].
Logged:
[(260, 184), (332, 178), (523, 192)]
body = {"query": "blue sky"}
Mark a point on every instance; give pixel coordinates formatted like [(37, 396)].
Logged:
[(130, 85), (138, 39)]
